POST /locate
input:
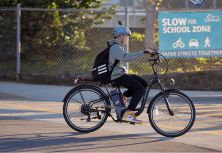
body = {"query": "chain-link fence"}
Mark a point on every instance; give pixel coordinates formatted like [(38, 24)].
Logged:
[(61, 45), (7, 43)]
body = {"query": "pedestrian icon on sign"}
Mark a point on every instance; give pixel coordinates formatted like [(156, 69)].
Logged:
[(207, 42)]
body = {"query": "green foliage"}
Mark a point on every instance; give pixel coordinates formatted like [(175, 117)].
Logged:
[(202, 60), (137, 37), (53, 28), (78, 4)]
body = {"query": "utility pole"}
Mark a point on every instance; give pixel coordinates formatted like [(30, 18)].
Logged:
[(215, 4), (150, 20), (187, 4)]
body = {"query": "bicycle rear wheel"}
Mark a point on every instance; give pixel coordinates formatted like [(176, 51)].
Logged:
[(85, 108), (172, 125)]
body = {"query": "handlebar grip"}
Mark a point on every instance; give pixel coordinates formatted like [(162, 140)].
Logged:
[(156, 53), (152, 55), (152, 60)]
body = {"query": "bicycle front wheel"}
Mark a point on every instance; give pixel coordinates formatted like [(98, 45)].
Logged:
[(176, 124), (85, 109)]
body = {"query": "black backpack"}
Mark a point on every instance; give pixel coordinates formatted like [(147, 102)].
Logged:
[(100, 71)]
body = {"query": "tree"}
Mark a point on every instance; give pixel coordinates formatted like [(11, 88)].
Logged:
[(55, 36), (54, 26)]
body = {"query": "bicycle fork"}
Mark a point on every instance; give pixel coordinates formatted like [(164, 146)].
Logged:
[(163, 91)]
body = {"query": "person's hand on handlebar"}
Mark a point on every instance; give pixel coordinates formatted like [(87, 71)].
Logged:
[(150, 51)]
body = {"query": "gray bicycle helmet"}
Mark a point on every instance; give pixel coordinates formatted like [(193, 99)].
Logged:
[(121, 31)]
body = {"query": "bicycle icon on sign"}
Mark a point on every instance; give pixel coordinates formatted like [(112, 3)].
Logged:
[(179, 43)]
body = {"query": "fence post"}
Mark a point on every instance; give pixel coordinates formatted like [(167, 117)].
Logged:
[(18, 42), (214, 4), (127, 25), (187, 4)]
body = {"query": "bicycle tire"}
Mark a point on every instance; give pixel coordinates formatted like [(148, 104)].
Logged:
[(67, 100), (157, 127)]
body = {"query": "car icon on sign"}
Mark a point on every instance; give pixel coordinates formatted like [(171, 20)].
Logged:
[(193, 43)]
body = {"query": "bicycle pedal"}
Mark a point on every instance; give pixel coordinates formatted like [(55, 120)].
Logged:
[(132, 123)]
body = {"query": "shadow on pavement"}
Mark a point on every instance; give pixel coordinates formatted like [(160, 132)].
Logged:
[(40, 141)]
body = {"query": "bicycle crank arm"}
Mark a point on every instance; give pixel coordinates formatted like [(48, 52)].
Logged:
[(123, 121), (97, 110), (88, 119)]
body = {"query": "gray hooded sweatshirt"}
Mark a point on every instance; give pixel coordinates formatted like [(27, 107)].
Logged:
[(118, 52)]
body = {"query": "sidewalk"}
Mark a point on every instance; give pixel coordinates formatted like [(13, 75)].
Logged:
[(35, 92), (57, 92)]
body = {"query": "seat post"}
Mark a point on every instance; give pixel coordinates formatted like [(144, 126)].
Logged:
[(107, 90), (118, 88)]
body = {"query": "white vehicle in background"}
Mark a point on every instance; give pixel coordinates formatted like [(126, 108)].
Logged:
[(196, 2), (193, 43)]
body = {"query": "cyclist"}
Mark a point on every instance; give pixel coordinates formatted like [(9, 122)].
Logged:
[(136, 85)]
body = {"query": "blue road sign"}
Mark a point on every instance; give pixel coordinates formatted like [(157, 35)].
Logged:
[(190, 34)]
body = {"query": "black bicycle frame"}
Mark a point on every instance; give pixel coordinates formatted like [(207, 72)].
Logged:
[(155, 80)]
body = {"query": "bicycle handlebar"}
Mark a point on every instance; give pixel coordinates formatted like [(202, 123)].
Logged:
[(157, 60)]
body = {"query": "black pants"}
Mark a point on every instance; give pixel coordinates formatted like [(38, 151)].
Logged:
[(136, 88)]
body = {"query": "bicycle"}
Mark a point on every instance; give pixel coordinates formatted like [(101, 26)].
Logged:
[(171, 113), (178, 43)]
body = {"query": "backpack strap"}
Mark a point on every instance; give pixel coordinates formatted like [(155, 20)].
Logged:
[(116, 61), (114, 65)]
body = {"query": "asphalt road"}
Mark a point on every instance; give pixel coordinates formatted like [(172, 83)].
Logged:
[(35, 124)]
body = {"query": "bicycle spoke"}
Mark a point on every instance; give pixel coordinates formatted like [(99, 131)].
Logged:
[(182, 116), (77, 101), (163, 119), (70, 115), (163, 111), (82, 96)]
